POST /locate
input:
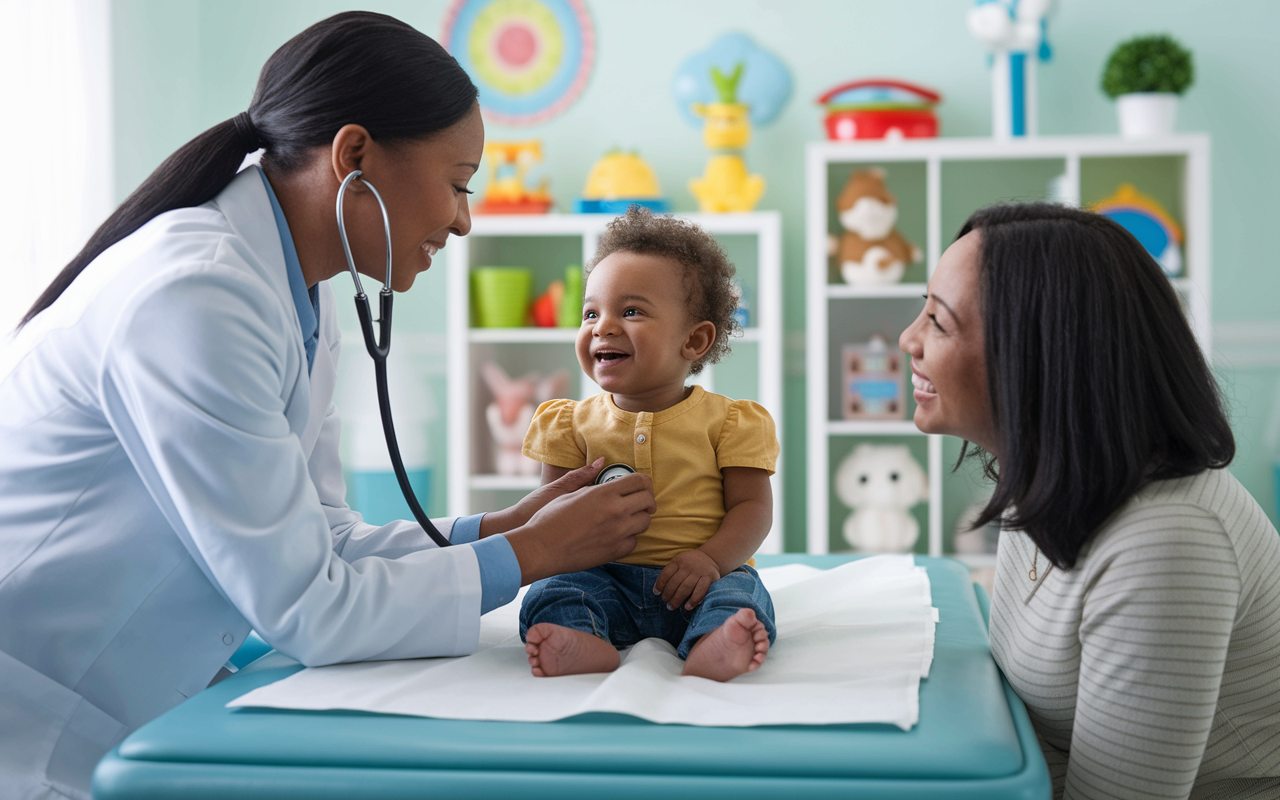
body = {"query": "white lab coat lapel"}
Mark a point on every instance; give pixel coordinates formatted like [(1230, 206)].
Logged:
[(247, 208), (324, 370)]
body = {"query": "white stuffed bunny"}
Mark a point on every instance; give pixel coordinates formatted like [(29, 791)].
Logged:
[(881, 483)]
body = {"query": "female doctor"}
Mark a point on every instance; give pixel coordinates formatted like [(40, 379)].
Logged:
[(169, 474)]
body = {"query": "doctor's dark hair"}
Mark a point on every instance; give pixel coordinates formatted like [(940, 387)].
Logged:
[(352, 68), (1097, 384)]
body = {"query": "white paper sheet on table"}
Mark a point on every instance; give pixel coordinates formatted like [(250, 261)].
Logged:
[(853, 644)]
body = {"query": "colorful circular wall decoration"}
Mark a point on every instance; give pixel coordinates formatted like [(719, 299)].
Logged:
[(529, 58)]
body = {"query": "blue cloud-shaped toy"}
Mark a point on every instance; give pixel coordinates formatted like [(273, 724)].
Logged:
[(765, 84)]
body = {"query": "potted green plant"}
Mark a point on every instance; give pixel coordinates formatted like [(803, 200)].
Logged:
[(1144, 76)]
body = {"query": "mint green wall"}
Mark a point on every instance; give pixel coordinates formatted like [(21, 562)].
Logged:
[(183, 65)]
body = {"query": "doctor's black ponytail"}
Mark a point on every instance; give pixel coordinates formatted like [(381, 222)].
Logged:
[(352, 68)]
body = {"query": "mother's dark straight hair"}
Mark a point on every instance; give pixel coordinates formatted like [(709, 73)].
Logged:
[(352, 68), (1097, 383)]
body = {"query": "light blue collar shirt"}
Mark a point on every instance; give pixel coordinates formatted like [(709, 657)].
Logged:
[(305, 300)]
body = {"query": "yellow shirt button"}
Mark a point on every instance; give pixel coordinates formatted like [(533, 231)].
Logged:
[(640, 438)]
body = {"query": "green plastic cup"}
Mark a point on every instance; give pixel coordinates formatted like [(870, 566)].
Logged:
[(571, 304), (500, 296)]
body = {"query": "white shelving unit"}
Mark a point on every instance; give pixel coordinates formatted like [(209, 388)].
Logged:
[(1181, 161), (466, 395)]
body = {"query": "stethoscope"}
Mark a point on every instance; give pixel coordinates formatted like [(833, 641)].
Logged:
[(378, 349)]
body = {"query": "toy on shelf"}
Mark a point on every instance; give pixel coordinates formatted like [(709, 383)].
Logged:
[(870, 251), (545, 310), (725, 184), (765, 86), (500, 299), (872, 377), (571, 303), (509, 415), (726, 89), (620, 180), (880, 484), (500, 296), (1015, 32), (1149, 223), (880, 108), (508, 191)]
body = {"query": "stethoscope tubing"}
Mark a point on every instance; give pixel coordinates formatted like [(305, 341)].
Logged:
[(378, 349), (342, 231)]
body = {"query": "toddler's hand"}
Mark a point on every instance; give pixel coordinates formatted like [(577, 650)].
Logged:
[(686, 578)]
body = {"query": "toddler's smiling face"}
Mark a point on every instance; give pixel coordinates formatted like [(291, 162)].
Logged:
[(637, 339)]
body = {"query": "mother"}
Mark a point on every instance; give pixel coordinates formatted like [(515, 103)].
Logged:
[(169, 473), (1136, 605)]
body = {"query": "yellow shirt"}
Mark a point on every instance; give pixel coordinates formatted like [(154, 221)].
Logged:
[(683, 448)]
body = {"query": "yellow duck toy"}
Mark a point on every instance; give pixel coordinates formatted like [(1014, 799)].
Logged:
[(725, 184)]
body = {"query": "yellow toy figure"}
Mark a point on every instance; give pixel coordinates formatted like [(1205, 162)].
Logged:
[(725, 185), (509, 164), (618, 181)]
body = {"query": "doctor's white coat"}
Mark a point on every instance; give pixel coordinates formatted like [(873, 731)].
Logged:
[(169, 479)]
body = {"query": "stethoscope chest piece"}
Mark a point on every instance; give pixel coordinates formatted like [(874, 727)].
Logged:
[(612, 473)]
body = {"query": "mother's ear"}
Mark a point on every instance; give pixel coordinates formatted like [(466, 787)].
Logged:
[(699, 340)]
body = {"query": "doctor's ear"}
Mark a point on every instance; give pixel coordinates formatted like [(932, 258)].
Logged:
[(350, 148)]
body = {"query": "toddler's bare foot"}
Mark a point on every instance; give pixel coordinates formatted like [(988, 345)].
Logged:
[(737, 646), (556, 650)]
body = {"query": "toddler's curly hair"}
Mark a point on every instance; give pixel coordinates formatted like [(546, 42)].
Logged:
[(708, 272)]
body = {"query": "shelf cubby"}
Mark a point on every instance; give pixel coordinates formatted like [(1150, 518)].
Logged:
[(546, 244), (938, 184)]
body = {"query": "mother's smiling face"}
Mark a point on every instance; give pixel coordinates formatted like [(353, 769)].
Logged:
[(946, 345)]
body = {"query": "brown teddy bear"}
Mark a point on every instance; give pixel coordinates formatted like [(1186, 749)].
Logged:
[(870, 252)]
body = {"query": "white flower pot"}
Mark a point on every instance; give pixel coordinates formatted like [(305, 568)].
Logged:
[(1146, 114)]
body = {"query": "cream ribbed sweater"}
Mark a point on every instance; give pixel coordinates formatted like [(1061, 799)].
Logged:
[(1152, 668)]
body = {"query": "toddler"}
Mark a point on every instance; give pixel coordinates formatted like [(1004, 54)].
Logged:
[(658, 305)]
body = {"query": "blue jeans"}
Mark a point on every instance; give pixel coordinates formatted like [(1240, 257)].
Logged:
[(616, 602)]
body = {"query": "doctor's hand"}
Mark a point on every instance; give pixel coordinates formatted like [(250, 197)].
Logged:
[(511, 518), (585, 528)]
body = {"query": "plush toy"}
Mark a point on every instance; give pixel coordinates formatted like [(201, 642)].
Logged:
[(1015, 33), (870, 252), (509, 415), (881, 483)]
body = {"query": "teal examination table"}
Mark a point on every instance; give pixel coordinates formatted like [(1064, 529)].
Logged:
[(974, 740)]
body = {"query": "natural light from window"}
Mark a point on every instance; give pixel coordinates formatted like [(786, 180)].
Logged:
[(55, 89)]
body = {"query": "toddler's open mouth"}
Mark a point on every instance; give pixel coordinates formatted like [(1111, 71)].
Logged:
[(609, 356)]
